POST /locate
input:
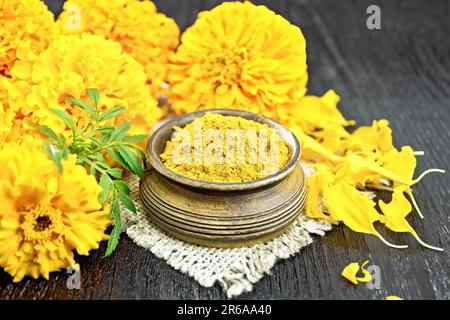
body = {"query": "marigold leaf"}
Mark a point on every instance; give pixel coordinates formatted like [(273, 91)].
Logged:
[(94, 95), (138, 151), (54, 155), (127, 202), (120, 132), (118, 157), (45, 130), (122, 187), (136, 138), (112, 113), (67, 118), (83, 105), (133, 162), (115, 172), (105, 183), (114, 237)]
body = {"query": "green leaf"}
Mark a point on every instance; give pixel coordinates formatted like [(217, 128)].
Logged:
[(54, 154), (94, 95), (112, 113), (96, 142), (105, 183), (114, 237), (116, 156), (45, 130), (127, 202), (106, 129), (138, 151), (62, 140), (122, 186), (84, 105), (115, 233), (99, 157), (67, 118), (133, 162), (120, 132), (136, 138), (115, 172)]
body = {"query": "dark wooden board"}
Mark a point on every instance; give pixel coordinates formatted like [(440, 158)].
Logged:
[(402, 73)]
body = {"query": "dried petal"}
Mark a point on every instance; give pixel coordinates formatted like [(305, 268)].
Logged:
[(395, 213), (355, 210), (393, 298), (317, 183), (351, 270)]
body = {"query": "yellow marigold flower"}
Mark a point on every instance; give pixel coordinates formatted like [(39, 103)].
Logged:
[(351, 271), (239, 55), (148, 36), (45, 215), (66, 68), (22, 21)]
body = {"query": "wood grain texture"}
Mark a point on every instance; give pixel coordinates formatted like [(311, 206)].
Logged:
[(402, 73)]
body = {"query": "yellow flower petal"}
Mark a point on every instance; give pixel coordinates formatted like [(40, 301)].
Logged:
[(355, 210), (393, 298), (367, 276), (376, 137), (350, 272), (395, 213), (316, 184), (313, 150), (352, 269)]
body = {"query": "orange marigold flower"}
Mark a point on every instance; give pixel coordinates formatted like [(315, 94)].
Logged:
[(148, 36), (239, 55), (22, 21), (66, 68)]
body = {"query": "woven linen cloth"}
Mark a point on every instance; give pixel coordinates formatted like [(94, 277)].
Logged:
[(235, 269)]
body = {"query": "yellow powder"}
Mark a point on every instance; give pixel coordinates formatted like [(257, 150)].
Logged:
[(226, 149)]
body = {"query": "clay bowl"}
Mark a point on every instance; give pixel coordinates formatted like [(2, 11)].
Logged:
[(222, 214)]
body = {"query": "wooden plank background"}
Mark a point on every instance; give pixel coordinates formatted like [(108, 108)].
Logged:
[(402, 73)]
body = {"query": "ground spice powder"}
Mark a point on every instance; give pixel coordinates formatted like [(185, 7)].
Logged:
[(225, 149)]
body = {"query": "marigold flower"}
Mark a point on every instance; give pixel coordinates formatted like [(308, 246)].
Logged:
[(148, 36), (65, 69), (44, 215), (242, 56), (22, 21)]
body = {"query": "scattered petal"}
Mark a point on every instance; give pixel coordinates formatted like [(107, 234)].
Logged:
[(355, 210), (350, 273), (394, 298), (395, 213)]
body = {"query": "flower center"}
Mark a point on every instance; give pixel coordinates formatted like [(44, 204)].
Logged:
[(41, 223), (225, 67)]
